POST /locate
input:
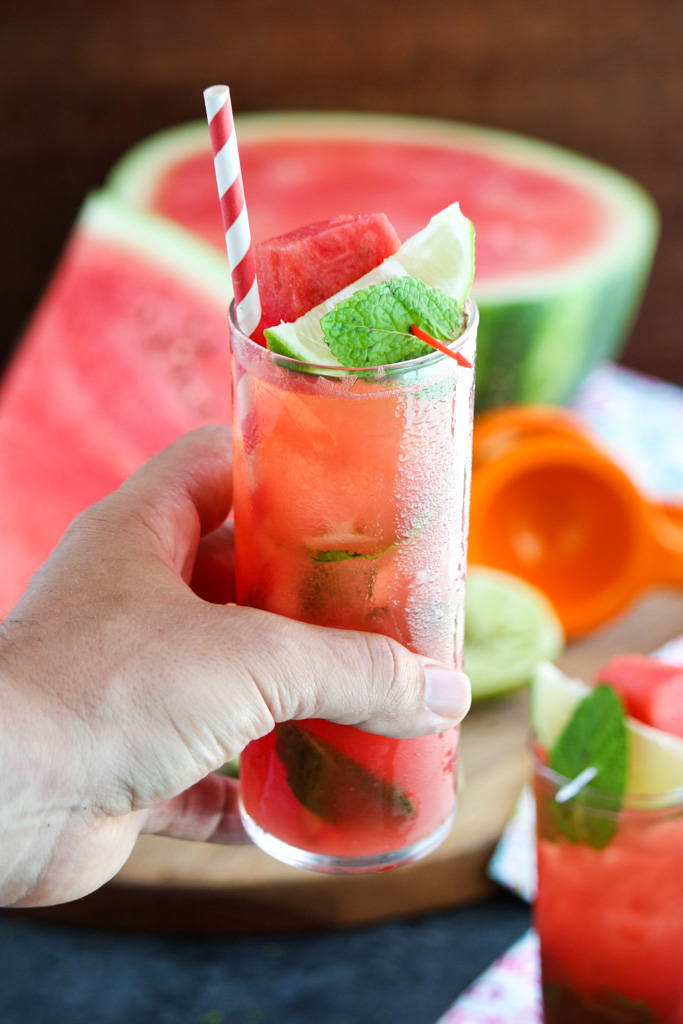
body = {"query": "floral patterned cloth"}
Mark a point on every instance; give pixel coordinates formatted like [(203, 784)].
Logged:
[(640, 421), (509, 992)]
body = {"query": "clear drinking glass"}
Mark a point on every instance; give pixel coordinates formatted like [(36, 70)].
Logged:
[(351, 499), (610, 917)]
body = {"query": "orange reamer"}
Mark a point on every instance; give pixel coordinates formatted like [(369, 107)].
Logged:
[(549, 505)]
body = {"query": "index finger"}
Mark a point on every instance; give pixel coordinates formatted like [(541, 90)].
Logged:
[(181, 494)]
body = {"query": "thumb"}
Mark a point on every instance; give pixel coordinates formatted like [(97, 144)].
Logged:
[(352, 678)]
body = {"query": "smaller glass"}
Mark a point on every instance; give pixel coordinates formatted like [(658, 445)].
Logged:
[(610, 917)]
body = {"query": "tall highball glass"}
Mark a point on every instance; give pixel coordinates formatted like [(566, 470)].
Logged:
[(351, 498)]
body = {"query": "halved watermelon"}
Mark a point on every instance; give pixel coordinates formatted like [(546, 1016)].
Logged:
[(564, 245), (127, 350)]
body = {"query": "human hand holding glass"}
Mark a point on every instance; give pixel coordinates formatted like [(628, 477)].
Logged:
[(126, 680)]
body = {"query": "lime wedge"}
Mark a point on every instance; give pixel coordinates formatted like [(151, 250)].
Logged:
[(441, 255), (655, 758), (509, 628)]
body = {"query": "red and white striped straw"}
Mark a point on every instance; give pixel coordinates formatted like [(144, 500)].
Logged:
[(226, 164)]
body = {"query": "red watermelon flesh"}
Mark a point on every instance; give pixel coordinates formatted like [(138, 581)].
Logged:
[(302, 268), (44, 485), (141, 370), (526, 219), (651, 690), (666, 709), (122, 357)]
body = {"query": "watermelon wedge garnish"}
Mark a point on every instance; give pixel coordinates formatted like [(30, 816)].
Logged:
[(564, 244)]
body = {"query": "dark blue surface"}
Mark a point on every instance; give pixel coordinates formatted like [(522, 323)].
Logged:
[(408, 971)]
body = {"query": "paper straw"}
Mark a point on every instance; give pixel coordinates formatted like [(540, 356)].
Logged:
[(226, 164), (570, 789)]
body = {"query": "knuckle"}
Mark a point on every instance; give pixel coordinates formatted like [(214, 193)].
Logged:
[(104, 519), (279, 683), (90, 520), (391, 677)]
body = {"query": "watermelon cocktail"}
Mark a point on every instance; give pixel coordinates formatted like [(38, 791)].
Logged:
[(610, 920), (609, 909), (351, 504), (351, 496)]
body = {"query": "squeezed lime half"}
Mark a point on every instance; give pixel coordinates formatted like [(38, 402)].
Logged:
[(509, 628)]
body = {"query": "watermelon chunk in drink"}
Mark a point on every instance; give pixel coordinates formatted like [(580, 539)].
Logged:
[(343, 249), (651, 690), (609, 910)]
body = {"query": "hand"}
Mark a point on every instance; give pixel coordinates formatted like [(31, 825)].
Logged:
[(123, 685)]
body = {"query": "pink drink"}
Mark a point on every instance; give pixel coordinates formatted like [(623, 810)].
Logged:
[(351, 509), (610, 920)]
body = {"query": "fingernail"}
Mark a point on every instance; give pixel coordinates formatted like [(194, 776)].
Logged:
[(447, 691)]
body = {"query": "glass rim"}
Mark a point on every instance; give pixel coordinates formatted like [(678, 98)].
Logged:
[(600, 800), (389, 369)]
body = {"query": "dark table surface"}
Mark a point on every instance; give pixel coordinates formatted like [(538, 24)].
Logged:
[(405, 971)]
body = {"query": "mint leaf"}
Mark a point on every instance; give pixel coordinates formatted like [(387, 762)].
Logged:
[(373, 326), (343, 554), (337, 556), (334, 786), (429, 308), (231, 768), (562, 1004), (595, 736)]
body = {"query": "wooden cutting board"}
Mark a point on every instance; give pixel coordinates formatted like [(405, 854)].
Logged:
[(172, 885)]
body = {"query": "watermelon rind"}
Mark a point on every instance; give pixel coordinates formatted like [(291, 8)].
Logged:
[(542, 331), (135, 177), (169, 246)]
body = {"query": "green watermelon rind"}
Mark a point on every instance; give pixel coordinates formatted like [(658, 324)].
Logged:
[(154, 239), (135, 176), (579, 328)]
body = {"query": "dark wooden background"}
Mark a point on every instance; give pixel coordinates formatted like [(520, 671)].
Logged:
[(82, 80)]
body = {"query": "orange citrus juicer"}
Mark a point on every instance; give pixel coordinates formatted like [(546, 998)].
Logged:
[(551, 507)]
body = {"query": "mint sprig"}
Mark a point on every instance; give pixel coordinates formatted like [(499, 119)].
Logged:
[(595, 737), (373, 326)]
